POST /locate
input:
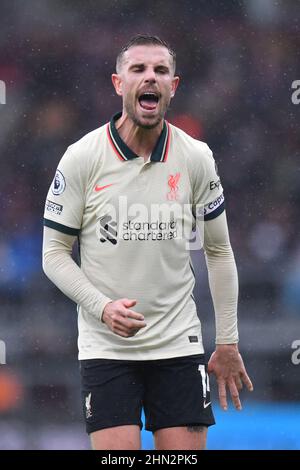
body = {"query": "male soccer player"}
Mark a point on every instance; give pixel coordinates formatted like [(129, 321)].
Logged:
[(118, 189)]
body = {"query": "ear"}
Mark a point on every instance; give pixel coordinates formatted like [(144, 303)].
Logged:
[(117, 83), (175, 83)]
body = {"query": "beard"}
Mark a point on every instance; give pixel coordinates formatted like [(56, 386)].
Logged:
[(140, 122)]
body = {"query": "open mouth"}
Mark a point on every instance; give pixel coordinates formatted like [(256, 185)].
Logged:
[(149, 101)]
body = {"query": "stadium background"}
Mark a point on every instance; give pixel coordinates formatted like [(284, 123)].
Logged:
[(237, 60)]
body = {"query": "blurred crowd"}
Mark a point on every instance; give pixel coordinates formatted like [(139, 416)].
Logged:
[(237, 61)]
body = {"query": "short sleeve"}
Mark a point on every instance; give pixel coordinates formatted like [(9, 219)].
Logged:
[(208, 191), (65, 200)]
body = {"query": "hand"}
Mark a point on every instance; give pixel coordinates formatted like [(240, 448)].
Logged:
[(227, 365), (121, 320)]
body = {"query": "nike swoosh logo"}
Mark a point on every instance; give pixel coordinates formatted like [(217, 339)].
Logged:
[(99, 188), (205, 405)]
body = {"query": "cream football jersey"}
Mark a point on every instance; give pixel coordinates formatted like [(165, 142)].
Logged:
[(135, 221)]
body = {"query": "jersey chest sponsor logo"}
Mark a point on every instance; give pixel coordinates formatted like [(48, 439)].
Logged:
[(127, 221), (173, 180), (107, 230)]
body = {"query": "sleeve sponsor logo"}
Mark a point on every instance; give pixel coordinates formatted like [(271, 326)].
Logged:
[(214, 184), (53, 207), (58, 184), (212, 206)]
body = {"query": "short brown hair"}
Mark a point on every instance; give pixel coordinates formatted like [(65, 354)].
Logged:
[(144, 40)]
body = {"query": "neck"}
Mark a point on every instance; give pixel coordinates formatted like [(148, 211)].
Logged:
[(141, 141)]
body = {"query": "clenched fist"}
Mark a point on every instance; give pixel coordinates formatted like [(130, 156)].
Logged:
[(121, 320)]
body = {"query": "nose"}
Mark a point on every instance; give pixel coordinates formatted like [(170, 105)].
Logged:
[(150, 76)]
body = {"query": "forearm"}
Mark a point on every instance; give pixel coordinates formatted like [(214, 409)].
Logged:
[(62, 270), (223, 279)]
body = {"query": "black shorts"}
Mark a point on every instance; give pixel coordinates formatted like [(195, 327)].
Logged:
[(173, 392)]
